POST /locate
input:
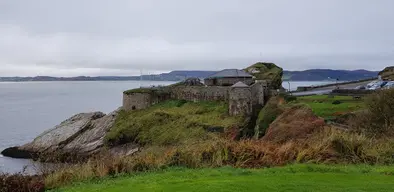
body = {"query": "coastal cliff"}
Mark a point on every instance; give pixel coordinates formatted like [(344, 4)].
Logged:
[(170, 111)]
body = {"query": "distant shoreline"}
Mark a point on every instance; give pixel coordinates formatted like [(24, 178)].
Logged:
[(325, 75), (284, 81)]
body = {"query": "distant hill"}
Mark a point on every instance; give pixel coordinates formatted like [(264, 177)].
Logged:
[(328, 74), (307, 75), (79, 78), (171, 76)]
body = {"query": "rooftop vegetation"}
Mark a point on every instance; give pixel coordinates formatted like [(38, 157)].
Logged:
[(139, 90)]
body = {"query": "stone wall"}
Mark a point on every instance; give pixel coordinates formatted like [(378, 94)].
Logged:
[(240, 101), (135, 101), (227, 81), (351, 92), (258, 93), (200, 93)]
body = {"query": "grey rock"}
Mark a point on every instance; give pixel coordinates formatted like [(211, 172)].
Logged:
[(124, 150), (63, 133), (92, 140), (81, 135)]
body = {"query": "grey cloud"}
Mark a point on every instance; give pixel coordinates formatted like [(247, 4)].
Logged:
[(100, 37)]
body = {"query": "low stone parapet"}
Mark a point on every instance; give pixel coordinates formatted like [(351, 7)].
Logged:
[(352, 92)]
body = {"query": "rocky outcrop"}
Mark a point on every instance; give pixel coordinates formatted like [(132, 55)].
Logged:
[(82, 135), (268, 72), (295, 123), (92, 139), (55, 138), (16, 152), (387, 73)]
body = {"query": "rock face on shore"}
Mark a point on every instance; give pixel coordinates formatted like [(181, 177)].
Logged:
[(82, 135)]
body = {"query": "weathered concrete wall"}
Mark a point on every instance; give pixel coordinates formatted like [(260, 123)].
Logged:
[(258, 93), (240, 101), (133, 101), (227, 81), (209, 82), (200, 93)]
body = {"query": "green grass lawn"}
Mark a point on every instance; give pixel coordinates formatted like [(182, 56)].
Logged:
[(323, 107), (290, 178)]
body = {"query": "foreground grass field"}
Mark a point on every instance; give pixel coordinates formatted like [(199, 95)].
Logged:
[(289, 178), (323, 106)]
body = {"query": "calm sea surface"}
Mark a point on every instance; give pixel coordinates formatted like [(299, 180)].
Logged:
[(29, 108)]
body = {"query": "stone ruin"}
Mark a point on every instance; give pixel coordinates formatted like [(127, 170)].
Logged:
[(244, 90), (240, 97)]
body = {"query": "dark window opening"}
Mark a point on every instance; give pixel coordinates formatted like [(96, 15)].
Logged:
[(133, 107), (214, 82)]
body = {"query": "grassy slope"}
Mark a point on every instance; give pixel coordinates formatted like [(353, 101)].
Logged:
[(323, 107), (171, 122), (289, 178)]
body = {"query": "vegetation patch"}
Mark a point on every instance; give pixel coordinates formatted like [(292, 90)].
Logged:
[(139, 90), (170, 123), (267, 71), (266, 116), (378, 117), (327, 145), (296, 123), (21, 183)]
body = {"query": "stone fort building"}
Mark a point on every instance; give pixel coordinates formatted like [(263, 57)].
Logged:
[(236, 87), (229, 77)]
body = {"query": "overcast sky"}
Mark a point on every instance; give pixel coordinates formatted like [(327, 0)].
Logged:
[(122, 37)]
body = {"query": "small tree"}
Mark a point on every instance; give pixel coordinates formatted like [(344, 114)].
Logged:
[(379, 117)]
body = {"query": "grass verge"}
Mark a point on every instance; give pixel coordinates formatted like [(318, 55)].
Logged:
[(322, 105), (288, 178)]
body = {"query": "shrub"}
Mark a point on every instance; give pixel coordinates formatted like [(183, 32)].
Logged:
[(287, 97), (290, 98), (21, 183), (336, 102), (378, 118), (181, 103), (351, 147)]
